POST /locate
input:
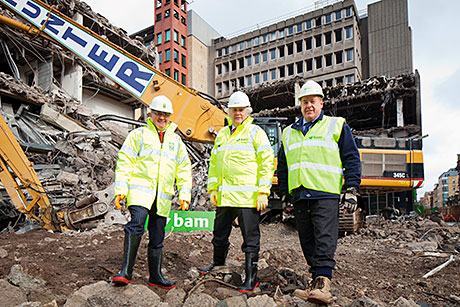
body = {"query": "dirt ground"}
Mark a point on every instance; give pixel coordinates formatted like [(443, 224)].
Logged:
[(374, 263)]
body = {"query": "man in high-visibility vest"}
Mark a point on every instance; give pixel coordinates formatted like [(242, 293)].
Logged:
[(149, 162), (239, 180), (318, 153)]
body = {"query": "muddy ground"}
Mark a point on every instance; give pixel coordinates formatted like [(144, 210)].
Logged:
[(376, 263)]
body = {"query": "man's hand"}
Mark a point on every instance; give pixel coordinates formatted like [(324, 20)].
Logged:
[(262, 201), (349, 200), (183, 205), (213, 197), (118, 198)]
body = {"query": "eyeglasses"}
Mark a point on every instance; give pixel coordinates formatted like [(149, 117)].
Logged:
[(158, 114)]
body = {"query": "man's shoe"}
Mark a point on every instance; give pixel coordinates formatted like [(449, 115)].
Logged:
[(220, 254), (155, 256), (251, 282), (321, 291), (130, 247)]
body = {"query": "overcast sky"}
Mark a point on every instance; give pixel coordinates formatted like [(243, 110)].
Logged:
[(436, 43)]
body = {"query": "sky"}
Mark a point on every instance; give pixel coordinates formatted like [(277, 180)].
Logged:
[(435, 45)]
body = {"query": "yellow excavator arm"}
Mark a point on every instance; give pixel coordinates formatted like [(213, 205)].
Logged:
[(197, 118)]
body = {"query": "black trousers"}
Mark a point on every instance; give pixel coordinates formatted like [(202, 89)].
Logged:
[(156, 224), (318, 226), (248, 219)]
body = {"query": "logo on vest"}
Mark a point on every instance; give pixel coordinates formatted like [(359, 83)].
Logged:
[(242, 140), (315, 137), (171, 146)]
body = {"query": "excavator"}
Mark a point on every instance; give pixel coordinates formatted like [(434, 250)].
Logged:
[(198, 117)]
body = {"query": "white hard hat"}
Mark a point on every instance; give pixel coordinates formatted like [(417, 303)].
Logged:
[(161, 103), (311, 88), (238, 99)]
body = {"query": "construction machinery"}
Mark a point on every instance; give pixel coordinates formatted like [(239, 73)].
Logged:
[(198, 116)]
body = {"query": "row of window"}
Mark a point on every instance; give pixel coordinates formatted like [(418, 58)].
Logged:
[(298, 28), (255, 59), (176, 2), (167, 13), (183, 79), (273, 74), (167, 38), (176, 54)]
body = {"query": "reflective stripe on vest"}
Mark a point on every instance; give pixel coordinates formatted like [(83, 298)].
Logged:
[(314, 160)]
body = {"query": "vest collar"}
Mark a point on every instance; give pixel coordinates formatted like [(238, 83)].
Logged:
[(170, 127), (298, 125), (247, 121)]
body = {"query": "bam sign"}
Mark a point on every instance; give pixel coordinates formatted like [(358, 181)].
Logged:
[(190, 221)]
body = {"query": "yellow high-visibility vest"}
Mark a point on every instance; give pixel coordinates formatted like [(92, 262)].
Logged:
[(313, 160), (146, 168), (241, 165)]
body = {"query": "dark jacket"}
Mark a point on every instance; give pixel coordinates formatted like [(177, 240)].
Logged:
[(350, 161)]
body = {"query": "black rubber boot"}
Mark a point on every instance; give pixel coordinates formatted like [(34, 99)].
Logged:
[(156, 279), (220, 254), (251, 281), (130, 247)]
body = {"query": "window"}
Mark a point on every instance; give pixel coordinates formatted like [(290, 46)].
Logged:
[(338, 15), (249, 43), (182, 6), (281, 33), (233, 48), (248, 61), (338, 35), (167, 55), (318, 41), (264, 38), (256, 59), (159, 56), (339, 57), (167, 35), (328, 82), (168, 72), (328, 59), (290, 68), (281, 71), (182, 41), (241, 63), (219, 69), (176, 75), (159, 3), (184, 60), (176, 15), (227, 50), (176, 56), (319, 62), (281, 51), (349, 55), (299, 67), (299, 27), (273, 74), (226, 67), (272, 54), (290, 30), (348, 12), (309, 64), (298, 46), (350, 78), (167, 13), (167, 1), (219, 88), (328, 18), (158, 18), (256, 78), (349, 32), (176, 36), (308, 25), (182, 19), (318, 21), (159, 35), (308, 42), (273, 36), (264, 56), (264, 76), (339, 80), (226, 86), (241, 46), (233, 65), (256, 41), (290, 48), (327, 38), (248, 80), (241, 81)]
